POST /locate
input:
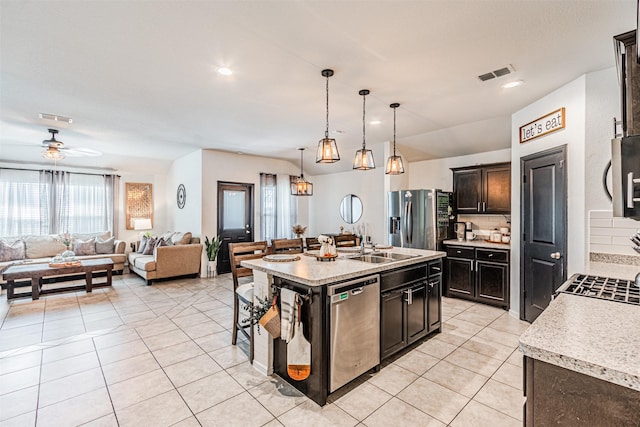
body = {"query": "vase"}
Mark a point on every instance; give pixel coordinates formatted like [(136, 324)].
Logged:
[(211, 269)]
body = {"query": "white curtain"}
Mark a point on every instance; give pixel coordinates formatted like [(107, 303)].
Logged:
[(268, 196), (287, 208), (51, 202)]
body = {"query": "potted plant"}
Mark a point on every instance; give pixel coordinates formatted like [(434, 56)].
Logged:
[(212, 247)]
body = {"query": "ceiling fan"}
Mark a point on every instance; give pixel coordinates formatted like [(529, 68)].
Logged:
[(56, 150)]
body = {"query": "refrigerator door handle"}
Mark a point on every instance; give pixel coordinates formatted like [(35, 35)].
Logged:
[(410, 223)]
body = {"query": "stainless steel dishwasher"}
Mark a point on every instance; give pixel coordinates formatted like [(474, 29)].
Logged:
[(354, 341)]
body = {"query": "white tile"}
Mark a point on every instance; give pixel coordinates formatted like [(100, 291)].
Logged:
[(600, 240), (137, 389), (242, 410), (163, 410), (18, 402), (626, 223), (601, 214), (76, 411), (605, 223), (18, 380), (70, 386)]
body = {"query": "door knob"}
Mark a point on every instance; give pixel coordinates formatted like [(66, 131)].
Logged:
[(556, 255)]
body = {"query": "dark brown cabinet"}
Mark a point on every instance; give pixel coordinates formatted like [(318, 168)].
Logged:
[(478, 274), (559, 396), (411, 304), (483, 189)]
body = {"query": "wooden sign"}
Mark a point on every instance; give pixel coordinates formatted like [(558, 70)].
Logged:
[(544, 125)]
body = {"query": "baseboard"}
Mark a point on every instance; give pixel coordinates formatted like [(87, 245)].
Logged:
[(260, 367), (514, 314)]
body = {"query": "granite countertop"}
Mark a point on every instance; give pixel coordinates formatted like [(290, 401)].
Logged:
[(312, 272), (591, 336), (477, 244)]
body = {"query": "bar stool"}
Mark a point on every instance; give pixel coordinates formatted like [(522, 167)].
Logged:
[(287, 246), (343, 240), (239, 252), (312, 243)]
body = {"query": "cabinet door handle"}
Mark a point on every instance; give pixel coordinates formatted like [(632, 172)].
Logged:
[(478, 206), (409, 296), (436, 268), (471, 265), (490, 255), (484, 206)]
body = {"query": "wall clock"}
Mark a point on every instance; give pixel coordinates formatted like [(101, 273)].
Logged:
[(182, 196)]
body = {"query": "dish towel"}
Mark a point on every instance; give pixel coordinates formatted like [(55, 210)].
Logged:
[(288, 313)]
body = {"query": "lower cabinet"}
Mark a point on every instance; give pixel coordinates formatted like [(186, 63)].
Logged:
[(478, 274), (410, 306), (561, 397)]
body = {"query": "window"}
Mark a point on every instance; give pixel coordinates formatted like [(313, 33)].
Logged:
[(53, 202), (278, 208)]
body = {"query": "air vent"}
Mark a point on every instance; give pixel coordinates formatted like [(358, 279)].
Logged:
[(55, 117), (497, 73)]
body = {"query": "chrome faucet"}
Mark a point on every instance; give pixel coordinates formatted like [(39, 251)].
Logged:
[(361, 246)]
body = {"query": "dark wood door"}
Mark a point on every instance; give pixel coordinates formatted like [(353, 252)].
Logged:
[(544, 229), (416, 298), (235, 218), (434, 302), (492, 281), (467, 187), (496, 189), (460, 277), (392, 322)]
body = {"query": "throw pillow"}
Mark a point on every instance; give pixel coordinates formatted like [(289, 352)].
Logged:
[(181, 238), (105, 246), (12, 251), (161, 242), (84, 248), (143, 244), (167, 242), (167, 236), (104, 235), (150, 245), (43, 246)]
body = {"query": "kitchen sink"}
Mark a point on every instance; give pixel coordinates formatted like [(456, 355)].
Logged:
[(371, 259), (393, 256), (381, 257)]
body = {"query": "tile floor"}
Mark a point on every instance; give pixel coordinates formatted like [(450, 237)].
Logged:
[(134, 355)]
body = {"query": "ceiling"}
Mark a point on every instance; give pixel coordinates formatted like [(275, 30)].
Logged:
[(139, 77)]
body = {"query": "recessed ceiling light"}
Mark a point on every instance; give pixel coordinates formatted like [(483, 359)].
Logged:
[(375, 122), (225, 71), (514, 83)]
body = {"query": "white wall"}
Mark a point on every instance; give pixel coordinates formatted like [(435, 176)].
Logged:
[(437, 173), (229, 167), (158, 189), (572, 96), (330, 189), (187, 171)]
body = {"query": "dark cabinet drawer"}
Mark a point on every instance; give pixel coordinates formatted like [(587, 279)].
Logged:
[(492, 255), (435, 267), (402, 276), (460, 252)]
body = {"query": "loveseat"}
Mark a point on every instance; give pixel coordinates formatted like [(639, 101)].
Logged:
[(34, 249), (170, 255)]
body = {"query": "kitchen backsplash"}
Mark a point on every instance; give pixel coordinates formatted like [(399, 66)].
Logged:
[(609, 235), (483, 224)]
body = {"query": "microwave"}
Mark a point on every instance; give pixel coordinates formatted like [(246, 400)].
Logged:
[(625, 174)]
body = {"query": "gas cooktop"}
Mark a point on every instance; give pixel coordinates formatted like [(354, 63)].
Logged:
[(606, 288)]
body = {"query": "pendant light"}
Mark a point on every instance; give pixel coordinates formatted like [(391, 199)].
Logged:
[(301, 187), (364, 158), (394, 163), (327, 148)]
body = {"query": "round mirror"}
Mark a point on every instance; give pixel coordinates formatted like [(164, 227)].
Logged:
[(351, 208)]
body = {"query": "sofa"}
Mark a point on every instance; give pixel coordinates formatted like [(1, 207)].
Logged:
[(34, 249), (171, 255)]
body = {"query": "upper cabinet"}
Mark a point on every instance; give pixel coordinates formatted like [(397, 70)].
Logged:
[(483, 189)]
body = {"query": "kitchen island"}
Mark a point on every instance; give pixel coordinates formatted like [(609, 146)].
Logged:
[(408, 302), (582, 363)]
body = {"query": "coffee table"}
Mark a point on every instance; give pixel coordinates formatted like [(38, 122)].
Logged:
[(36, 272)]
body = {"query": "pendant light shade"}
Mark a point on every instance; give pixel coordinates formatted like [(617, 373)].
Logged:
[(301, 187), (364, 158), (394, 163), (327, 147)]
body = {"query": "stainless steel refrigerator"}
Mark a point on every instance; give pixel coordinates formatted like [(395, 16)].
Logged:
[(420, 219)]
